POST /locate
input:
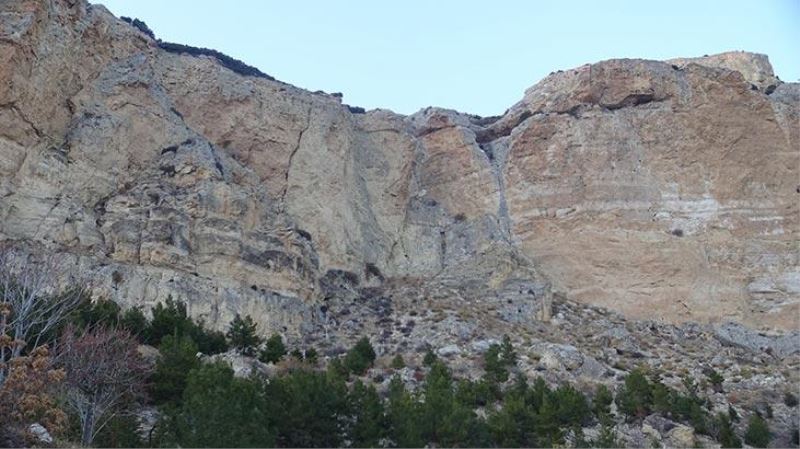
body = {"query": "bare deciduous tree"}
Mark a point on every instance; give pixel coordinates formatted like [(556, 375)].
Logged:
[(103, 372), (29, 291)]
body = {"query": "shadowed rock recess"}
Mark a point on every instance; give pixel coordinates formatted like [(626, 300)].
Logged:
[(665, 191)]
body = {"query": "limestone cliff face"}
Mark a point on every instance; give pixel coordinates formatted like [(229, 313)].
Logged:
[(654, 188)]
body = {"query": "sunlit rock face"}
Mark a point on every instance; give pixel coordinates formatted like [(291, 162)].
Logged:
[(660, 189)]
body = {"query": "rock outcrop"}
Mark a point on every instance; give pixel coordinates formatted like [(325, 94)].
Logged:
[(665, 189)]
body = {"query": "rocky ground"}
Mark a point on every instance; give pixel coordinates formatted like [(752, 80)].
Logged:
[(584, 345)]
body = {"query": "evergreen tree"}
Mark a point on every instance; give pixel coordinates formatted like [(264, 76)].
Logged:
[(274, 350), (572, 407), (725, 433), (601, 404), (208, 341), (538, 393), (549, 431), (134, 321), (662, 398), (169, 318), (242, 335), (310, 409), (512, 425), (402, 413), (366, 407), (220, 410), (493, 363), (634, 398), (360, 357), (178, 356), (507, 354), (444, 421), (757, 433), (120, 431), (337, 368), (90, 313)]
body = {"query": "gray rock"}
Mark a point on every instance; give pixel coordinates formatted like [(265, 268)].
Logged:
[(449, 351), (40, 434), (736, 334), (481, 346)]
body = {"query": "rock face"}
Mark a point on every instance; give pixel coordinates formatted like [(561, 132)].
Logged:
[(653, 188)]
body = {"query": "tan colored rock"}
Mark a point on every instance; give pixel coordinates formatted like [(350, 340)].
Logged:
[(660, 189)]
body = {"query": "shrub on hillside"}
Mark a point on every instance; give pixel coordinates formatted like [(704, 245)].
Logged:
[(360, 357)]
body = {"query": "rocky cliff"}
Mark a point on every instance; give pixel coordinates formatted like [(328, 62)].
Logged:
[(658, 189)]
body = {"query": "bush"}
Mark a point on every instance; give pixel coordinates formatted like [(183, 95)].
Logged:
[(226, 61), (273, 350), (140, 25), (715, 379), (757, 433), (360, 357), (398, 362), (242, 335), (634, 398), (28, 394)]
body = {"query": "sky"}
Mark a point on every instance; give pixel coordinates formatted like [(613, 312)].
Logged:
[(475, 57)]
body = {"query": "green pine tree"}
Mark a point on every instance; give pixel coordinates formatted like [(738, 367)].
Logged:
[(242, 335), (178, 356), (494, 365), (403, 416), (634, 398), (360, 357), (757, 433), (273, 350), (507, 354), (367, 426), (220, 410), (601, 403)]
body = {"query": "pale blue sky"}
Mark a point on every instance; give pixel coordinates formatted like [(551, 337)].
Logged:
[(476, 57)]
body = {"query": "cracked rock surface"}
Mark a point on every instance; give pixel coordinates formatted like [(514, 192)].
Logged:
[(663, 190)]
